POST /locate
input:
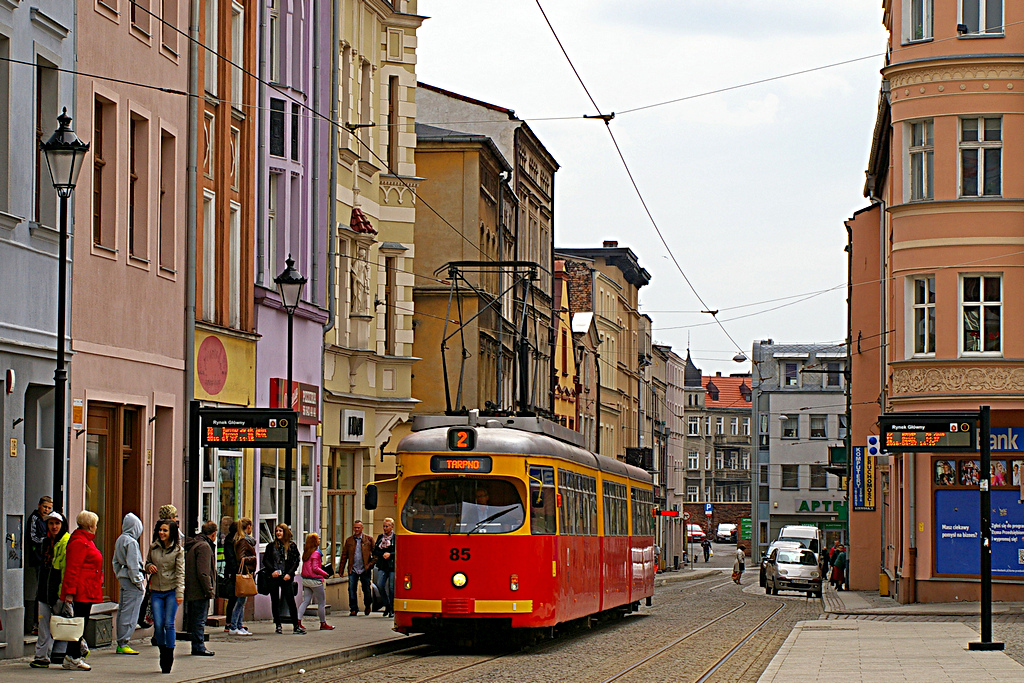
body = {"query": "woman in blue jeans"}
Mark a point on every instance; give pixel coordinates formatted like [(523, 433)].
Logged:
[(166, 566), (245, 554), (384, 552)]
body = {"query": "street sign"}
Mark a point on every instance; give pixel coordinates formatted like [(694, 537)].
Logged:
[(863, 481), (247, 428), (707, 509), (929, 432), (686, 515), (746, 528)]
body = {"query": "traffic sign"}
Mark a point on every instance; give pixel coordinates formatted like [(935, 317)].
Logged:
[(707, 509), (686, 515)]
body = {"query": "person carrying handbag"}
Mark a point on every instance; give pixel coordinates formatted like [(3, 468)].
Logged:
[(313, 575), (82, 586), (384, 554), (245, 554), (53, 551), (280, 563)]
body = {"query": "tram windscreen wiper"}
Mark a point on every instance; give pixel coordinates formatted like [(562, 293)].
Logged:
[(492, 518)]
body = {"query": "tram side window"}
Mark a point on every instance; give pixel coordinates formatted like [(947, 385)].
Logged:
[(616, 514), (542, 500), (643, 503), (588, 513)]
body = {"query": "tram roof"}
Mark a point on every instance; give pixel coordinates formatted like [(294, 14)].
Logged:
[(512, 435)]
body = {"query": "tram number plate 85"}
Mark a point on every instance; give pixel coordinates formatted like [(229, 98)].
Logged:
[(456, 554)]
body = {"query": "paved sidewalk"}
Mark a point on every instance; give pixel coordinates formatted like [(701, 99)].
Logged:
[(869, 651), (869, 602), (264, 656)]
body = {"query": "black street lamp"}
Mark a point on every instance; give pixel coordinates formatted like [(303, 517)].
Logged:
[(289, 285), (64, 154)]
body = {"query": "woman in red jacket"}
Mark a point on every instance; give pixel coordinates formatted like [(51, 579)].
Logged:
[(83, 579)]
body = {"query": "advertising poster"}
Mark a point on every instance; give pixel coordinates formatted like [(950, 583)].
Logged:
[(957, 535), (863, 481)]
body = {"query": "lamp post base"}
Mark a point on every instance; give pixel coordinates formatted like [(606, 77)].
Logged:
[(981, 645)]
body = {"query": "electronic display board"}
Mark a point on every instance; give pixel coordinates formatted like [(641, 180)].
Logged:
[(929, 432), (480, 464), (247, 428)]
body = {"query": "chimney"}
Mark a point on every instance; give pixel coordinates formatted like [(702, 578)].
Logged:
[(610, 244), (718, 374)]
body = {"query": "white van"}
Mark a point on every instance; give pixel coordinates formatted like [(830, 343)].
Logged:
[(807, 536)]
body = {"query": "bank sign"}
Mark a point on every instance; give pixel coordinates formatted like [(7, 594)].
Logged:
[(1006, 438), (957, 540)]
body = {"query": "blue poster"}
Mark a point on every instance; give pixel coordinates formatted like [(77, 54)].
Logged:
[(957, 539), (858, 477)]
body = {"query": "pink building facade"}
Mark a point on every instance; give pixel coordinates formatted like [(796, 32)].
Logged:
[(128, 285), (942, 330)]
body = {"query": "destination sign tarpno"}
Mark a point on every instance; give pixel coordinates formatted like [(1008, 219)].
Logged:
[(929, 432)]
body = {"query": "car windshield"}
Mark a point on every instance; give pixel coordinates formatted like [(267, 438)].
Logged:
[(805, 557), (462, 506), (794, 539)]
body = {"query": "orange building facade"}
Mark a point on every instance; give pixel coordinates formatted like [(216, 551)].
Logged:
[(936, 267)]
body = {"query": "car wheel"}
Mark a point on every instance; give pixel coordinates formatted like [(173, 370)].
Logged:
[(810, 594), (761, 580), (818, 595)]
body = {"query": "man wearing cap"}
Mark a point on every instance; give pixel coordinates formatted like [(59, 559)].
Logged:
[(51, 571)]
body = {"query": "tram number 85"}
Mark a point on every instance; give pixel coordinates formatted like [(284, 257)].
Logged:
[(457, 554)]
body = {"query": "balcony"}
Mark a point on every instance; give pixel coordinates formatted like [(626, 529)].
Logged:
[(731, 440), (732, 475)]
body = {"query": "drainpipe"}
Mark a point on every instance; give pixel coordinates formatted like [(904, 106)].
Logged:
[(261, 153), (313, 166), (501, 285), (332, 172), (191, 197)]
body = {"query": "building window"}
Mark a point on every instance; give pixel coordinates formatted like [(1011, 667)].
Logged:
[(707, 461), (746, 426), (99, 154), (746, 461), (922, 152), (833, 374), (763, 480), (394, 130), (981, 170), (819, 477), (277, 127), (138, 187), (139, 14), (274, 17), (272, 236), (237, 53), (209, 257), (917, 20), (210, 54), (924, 315), (5, 105), (719, 425), (707, 426), (165, 227), (842, 426), (719, 460), (790, 427), (169, 22), (691, 494), (234, 265), (981, 308), (46, 114), (819, 426), (693, 426), (790, 476), (365, 108), (692, 460), (982, 16), (295, 131), (734, 426), (792, 375)]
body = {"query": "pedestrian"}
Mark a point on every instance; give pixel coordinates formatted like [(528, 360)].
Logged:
[(166, 566), (706, 546), (200, 584), (838, 568), (51, 569), (170, 513), (230, 569), (313, 575), (357, 554), (37, 537), (131, 577), (739, 565), (245, 559), (384, 561), (82, 586), (281, 562)]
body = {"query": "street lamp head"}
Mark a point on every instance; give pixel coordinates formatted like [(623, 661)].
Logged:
[(289, 285), (740, 357), (64, 154)]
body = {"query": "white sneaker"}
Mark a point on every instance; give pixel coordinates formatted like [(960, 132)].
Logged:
[(239, 632), (73, 664), (246, 632)]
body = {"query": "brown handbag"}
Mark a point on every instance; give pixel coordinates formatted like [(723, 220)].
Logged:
[(245, 584)]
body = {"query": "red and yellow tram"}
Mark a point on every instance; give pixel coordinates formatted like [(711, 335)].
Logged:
[(509, 523)]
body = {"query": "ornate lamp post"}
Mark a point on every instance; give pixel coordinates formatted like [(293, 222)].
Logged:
[(64, 154), (289, 284)]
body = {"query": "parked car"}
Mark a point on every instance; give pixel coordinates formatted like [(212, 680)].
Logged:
[(793, 569), (726, 533), (767, 553), (694, 533)]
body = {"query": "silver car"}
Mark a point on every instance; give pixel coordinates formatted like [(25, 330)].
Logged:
[(793, 569)]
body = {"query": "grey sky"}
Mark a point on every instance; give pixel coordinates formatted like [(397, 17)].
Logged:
[(750, 187)]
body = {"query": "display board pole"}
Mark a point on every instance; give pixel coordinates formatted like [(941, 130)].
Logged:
[(986, 535), (191, 521)]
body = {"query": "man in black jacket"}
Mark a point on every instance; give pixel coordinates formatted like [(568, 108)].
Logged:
[(200, 584)]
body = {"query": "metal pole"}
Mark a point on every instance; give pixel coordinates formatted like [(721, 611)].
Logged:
[(60, 375), (986, 536), (193, 506), (288, 451)]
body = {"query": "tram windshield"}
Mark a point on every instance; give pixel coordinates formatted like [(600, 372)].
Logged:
[(463, 506)]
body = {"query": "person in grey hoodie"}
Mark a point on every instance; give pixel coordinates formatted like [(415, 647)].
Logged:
[(130, 571)]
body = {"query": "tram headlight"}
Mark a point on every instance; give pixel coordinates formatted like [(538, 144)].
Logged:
[(408, 582), (514, 582), (459, 580)]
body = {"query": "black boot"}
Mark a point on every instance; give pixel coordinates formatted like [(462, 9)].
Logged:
[(166, 659)]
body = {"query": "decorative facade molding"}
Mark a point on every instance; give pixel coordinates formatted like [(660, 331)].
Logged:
[(954, 72), (48, 23), (944, 380)]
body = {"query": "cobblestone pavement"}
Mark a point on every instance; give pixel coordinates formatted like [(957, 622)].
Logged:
[(605, 651)]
